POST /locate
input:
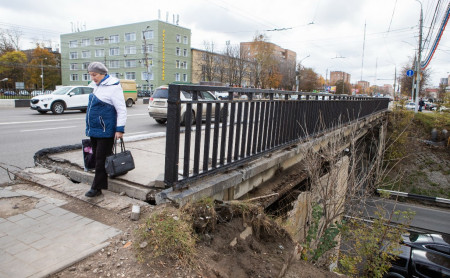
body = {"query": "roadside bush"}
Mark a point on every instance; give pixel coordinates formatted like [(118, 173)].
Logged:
[(399, 122)]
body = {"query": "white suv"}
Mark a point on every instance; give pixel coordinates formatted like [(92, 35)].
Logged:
[(65, 98)]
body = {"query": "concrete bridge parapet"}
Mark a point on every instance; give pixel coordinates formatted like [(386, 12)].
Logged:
[(237, 183)]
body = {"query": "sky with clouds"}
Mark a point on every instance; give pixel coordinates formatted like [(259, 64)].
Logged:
[(330, 32)]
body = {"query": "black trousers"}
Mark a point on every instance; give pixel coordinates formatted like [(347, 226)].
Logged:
[(101, 147)]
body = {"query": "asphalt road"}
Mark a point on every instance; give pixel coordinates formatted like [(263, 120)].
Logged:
[(23, 132), (427, 219)]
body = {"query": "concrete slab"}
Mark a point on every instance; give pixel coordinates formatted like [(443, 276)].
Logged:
[(42, 241)]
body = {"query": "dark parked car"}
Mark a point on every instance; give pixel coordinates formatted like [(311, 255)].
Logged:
[(9, 93), (424, 256)]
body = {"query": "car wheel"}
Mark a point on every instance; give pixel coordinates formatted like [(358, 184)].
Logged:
[(129, 102), (161, 121), (183, 118), (58, 107), (42, 112)]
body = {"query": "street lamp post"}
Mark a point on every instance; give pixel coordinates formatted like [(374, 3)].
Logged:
[(42, 74), (299, 70)]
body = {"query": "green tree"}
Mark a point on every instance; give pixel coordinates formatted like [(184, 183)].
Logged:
[(373, 246), (308, 80), (9, 40), (11, 66), (43, 61), (406, 81), (265, 66), (343, 89)]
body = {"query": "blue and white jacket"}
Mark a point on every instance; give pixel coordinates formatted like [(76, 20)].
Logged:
[(106, 113)]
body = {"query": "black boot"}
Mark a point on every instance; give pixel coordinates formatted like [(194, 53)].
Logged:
[(93, 193)]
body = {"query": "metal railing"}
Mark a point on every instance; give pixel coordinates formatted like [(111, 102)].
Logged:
[(22, 93), (250, 123)]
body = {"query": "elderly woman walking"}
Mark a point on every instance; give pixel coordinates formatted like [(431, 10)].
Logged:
[(106, 116)]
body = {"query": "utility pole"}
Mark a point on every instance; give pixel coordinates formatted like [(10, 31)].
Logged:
[(395, 80), (299, 72), (419, 59), (42, 73), (146, 59)]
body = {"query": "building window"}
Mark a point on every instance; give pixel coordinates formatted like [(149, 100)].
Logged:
[(86, 54), (85, 65), (177, 77), (130, 49), (148, 34), (99, 53), (86, 77), (177, 64), (130, 63), (178, 38), (99, 40), (149, 48), (143, 62), (73, 44), (73, 55), (185, 40), (185, 52), (144, 76), (130, 75), (115, 74), (114, 51), (74, 77), (185, 77), (177, 51), (114, 39), (114, 64), (184, 65), (85, 42), (130, 37), (73, 66)]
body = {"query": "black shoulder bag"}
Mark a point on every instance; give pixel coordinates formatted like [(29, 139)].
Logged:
[(119, 163)]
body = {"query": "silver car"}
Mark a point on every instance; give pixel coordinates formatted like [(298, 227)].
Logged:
[(157, 106)]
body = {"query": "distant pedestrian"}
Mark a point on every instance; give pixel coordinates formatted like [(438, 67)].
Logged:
[(106, 116), (421, 104)]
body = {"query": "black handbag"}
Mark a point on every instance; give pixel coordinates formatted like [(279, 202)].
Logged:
[(119, 163)]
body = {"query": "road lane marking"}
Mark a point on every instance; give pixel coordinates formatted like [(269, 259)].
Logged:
[(131, 133), (59, 120), (50, 128)]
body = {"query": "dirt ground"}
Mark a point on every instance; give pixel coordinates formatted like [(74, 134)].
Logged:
[(262, 256), (215, 257), (424, 171)]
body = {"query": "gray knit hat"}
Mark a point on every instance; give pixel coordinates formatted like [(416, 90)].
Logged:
[(97, 67)]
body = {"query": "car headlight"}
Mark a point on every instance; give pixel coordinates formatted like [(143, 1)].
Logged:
[(46, 99)]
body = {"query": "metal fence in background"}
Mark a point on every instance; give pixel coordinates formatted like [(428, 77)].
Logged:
[(248, 124), (22, 93)]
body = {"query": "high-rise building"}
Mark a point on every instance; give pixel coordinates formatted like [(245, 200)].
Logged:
[(364, 86), (336, 76), (153, 53), (287, 59)]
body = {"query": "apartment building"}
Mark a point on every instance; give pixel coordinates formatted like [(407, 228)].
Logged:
[(153, 53), (287, 58), (214, 68), (365, 85), (336, 76)]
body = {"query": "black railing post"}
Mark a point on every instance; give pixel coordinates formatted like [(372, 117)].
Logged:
[(256, 126), (172, 136)]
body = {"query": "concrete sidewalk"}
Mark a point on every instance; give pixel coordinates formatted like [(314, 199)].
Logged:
[(44, 238)]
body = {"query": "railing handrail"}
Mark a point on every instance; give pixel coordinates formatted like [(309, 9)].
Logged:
[(250, 127)]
